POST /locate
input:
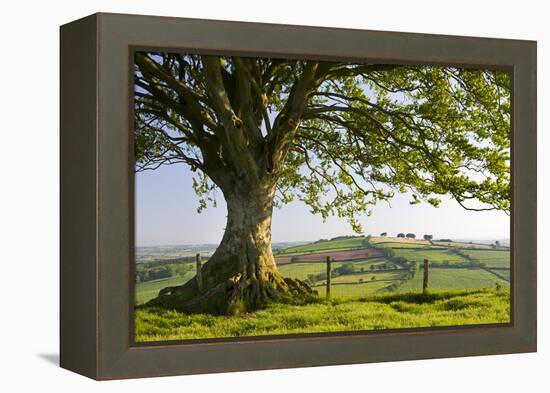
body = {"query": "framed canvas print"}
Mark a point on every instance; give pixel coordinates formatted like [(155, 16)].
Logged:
[(241, 196)]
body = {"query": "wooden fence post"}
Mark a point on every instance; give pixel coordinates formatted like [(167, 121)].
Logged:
[(426, 275), (328, 277), (199, 271)]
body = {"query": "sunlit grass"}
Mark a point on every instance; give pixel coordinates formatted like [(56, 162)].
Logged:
[(454, 279), (384, 311)]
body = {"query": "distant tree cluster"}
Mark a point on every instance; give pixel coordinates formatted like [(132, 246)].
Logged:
[(408, 235), (157, 270)]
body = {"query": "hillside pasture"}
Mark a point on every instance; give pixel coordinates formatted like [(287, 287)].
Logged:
[(491, 258), (403, 245), (367, 277), (283, 260), (502, 273), (145, 291), (480, 246), (302, 270), (400, 240), (338, 244), (342, 255), (434, 256), (453, 279)]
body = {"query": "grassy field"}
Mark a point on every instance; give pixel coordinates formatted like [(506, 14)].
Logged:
[(349, 285), (462, 245), (502, 273), (364, 299), (399, 240), (402, 245), (353, 290), (339, 244), (433, 255), (146, 291), (302, 270), (491, 258), (448, 279), (390, 311), (367, 277)]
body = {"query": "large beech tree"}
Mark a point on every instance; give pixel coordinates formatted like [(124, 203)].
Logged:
[(340, 137)]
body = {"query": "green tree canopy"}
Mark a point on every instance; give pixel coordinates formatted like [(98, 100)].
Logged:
[(338, 136)]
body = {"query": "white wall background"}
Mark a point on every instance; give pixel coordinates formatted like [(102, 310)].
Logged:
[(29, 193)]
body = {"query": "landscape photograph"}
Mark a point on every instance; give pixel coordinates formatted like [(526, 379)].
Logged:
[(280, 196)]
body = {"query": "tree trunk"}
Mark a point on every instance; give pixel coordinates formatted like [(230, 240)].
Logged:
[(241, 275)]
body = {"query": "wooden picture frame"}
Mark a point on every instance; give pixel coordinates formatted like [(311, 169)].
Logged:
[(97, 200)]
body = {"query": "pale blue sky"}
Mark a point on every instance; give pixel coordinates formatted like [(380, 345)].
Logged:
[(166, 213)]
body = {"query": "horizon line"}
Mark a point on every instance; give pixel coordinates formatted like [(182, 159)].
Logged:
[(310, 241)]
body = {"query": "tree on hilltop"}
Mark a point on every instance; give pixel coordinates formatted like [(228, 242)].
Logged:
[(340, 137)]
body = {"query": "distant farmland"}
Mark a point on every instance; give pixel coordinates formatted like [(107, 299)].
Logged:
[(376, 284), (450, 279), (384, 265), (491, 258), (343, 255), (434, 255)]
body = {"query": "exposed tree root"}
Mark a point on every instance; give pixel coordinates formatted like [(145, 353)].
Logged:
[(236, 294)]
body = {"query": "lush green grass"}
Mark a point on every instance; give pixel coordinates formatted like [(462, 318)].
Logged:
[(502, 273), (390, 311), (146, 291), (462, 245), (433, 255), (449, 279), (353, 290), (384, 276), (340, 244), (348, 285), (301, 270), (403, 245), (496, 258)]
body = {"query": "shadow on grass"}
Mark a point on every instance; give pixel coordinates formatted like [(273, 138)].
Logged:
[(421, 298)]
